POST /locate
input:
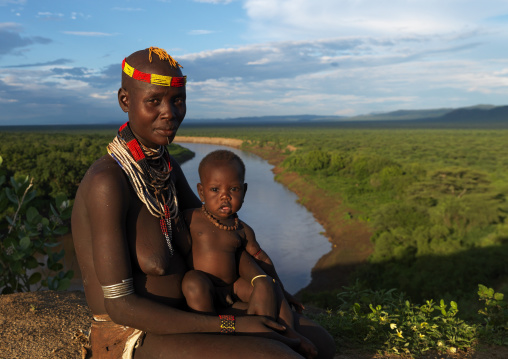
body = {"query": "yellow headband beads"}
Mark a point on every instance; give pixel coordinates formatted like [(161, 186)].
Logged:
[(154, 79)]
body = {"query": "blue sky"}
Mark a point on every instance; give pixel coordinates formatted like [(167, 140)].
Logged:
[(60, 59)]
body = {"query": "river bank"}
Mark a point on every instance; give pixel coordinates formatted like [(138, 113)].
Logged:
[(349, 237)]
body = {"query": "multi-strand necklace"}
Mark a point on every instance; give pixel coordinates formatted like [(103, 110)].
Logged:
[(217, 223), (149, 173)]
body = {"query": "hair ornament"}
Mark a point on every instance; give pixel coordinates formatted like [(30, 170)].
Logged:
[(155, 79)]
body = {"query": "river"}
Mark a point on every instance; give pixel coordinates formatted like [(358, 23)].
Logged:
[(284, 228)]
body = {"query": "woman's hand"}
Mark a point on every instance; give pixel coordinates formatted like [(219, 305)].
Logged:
[(263, 327)]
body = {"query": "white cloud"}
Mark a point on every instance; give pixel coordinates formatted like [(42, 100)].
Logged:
[(282, 19), (128, 9), (6, 100), (108, 95), (200, 32), (88, 33), (10, 26), (215, 1), (47, 14), (75, 15)]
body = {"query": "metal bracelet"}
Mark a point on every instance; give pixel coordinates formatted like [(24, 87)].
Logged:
[(256, 277), (118, 290)]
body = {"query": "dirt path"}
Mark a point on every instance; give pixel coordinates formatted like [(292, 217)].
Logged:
[(45, 325)]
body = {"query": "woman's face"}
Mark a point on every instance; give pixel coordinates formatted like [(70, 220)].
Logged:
[(155, 112)]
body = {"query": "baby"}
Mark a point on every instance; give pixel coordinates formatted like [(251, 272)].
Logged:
[(220, 241)]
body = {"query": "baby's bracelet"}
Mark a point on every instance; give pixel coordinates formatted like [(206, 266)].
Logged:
[(227, 324), (256, 277)]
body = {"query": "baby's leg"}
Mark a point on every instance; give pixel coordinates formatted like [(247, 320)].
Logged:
[(242, 289), (260, 303), (199, 292)]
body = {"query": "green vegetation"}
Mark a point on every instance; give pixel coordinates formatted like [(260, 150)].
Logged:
[(58, 160), (435, 199), (387, 322), (27, 237)]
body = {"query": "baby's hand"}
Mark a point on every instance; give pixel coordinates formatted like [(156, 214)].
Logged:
[(298, 307)]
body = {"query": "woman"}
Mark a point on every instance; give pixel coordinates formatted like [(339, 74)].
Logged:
[(125, 225)]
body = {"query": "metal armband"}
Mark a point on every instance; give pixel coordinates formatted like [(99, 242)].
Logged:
[(118, 290)]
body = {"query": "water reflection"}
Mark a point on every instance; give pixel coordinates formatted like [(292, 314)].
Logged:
[(284, 228)]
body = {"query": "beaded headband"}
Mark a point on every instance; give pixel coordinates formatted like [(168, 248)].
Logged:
[(155, 79)]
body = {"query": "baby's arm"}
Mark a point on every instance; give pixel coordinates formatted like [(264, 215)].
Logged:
[(263, 260)]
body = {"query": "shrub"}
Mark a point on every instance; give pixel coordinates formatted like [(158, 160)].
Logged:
[(26, 233), (495, 315), (385, 320)]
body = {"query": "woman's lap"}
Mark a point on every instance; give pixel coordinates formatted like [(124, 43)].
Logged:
[(317, 335), (212, 346)]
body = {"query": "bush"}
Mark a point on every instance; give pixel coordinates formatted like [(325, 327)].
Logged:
[(386, 321), (26, 233)]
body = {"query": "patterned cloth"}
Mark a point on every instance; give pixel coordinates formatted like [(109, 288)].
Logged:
[(109, 340)]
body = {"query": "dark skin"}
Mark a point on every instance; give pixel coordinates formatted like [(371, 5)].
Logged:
[(116, 238), (216, 252)]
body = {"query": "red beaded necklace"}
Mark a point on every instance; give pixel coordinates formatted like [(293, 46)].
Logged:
[(217, 223), (149, 173)]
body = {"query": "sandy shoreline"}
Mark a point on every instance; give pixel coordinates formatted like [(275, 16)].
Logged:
[(222, 141)]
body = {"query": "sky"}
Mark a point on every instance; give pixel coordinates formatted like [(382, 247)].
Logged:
[(60, 60)]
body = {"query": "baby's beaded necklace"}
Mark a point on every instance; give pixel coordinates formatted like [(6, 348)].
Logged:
[(217, 223)]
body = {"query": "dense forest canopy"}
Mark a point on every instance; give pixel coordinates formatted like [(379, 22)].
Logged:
[(58, 160)]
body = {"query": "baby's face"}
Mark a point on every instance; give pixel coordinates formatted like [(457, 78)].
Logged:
[(222, 188)]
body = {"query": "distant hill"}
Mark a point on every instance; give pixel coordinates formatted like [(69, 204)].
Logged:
[(477, 114), (271, 119), (402, 115)]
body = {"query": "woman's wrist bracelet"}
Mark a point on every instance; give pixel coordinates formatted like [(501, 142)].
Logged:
[(227, 324)]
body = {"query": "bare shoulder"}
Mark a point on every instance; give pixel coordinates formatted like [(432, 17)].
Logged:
[(104, 178), (251, 245)]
